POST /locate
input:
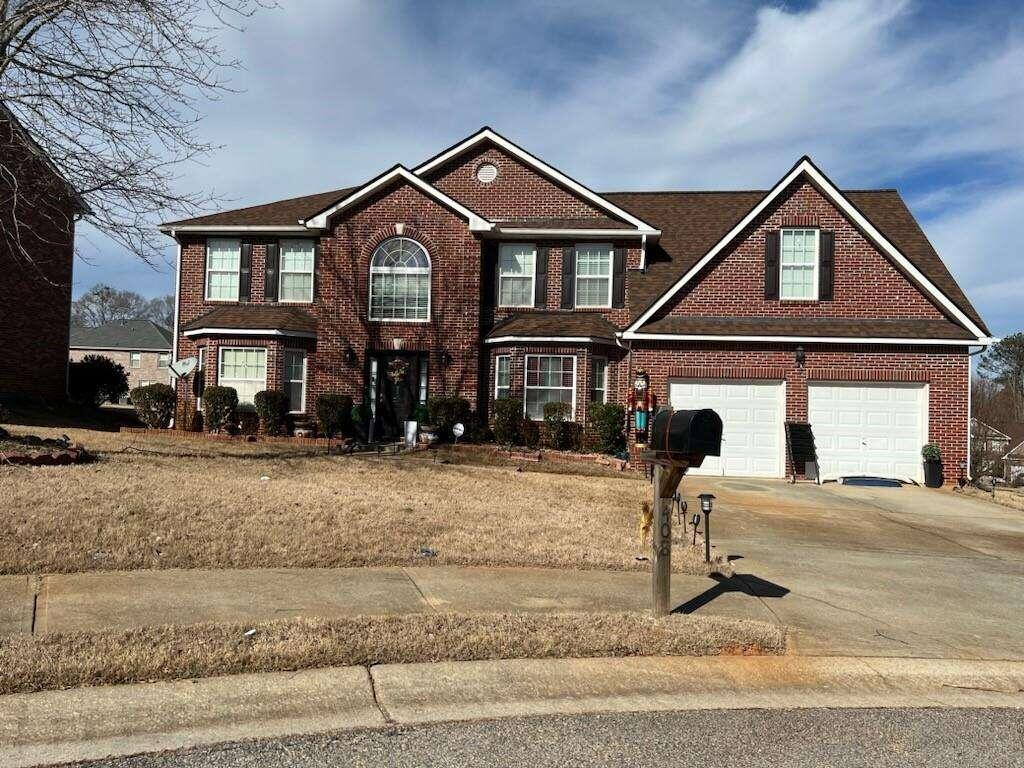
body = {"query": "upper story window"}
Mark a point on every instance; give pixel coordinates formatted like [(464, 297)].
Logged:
[(798, 264), (517, 274), (400, 281), (135, 359), (163, 360), (223, 266), (594, 275), (296, 271)]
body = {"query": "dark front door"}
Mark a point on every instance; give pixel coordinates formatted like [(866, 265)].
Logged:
[(395, 386)]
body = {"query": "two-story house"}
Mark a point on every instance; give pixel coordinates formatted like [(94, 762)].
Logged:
[(141, 347), (485, 272)]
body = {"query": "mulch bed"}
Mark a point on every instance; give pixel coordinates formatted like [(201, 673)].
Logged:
[(30, 450)]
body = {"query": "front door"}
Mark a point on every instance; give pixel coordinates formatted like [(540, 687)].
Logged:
[(396, 384)]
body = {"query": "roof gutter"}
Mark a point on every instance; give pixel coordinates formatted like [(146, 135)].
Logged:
[(800, 339)]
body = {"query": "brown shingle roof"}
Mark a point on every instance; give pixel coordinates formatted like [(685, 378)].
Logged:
[(561, 324), (692, 222), (256, 317), (838, 327), (279, 213)]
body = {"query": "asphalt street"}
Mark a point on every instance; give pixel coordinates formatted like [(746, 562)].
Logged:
[(835, 738)]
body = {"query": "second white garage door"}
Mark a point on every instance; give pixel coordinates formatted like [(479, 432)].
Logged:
[(869, 429), (752, 413)]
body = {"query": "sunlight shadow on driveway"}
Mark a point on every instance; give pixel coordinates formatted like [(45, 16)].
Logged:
[(746, 583)]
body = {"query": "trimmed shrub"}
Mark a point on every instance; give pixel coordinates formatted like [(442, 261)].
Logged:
[(154, 404), (445, 412), (272, 410), (607, 420), (334, 414), (220, 406), (477, 430), (560, 432), (248, 421), (529, 432), (508, 417), (95, 380)]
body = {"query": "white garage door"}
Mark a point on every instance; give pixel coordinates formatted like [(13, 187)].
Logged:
[(869, 429), (751, 411)]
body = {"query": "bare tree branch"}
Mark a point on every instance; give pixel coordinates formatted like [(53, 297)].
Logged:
[(112, 91)]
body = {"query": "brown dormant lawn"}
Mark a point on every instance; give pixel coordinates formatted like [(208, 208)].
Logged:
[(165, 502), (168, 653)]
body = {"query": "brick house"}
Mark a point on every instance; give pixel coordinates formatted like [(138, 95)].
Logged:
[(141, 347), (485, 272), (38, 209)]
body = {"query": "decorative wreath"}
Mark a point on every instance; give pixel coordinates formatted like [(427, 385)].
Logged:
[(398, 369)]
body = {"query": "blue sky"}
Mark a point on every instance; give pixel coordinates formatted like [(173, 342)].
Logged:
[(927, 97)]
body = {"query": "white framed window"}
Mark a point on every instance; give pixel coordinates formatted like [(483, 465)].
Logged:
[(199, 380), (223, 265), (135, 359), (400, 281), (296, 271), (502, 376), (549, 378), (594, 275), (798, 264), (163, 360), (517, 274), (244, 369), (295, 379), (598, 380), (424, 380)]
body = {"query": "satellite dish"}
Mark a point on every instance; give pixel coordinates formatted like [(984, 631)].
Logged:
[(180, 368), (458, 430)]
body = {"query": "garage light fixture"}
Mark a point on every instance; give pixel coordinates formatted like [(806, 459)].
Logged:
[(801, 357)]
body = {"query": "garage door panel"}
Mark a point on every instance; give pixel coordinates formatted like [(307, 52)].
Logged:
[(752, 414), (863, 428)]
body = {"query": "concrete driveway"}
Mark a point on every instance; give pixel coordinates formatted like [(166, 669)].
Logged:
[(870, 571)]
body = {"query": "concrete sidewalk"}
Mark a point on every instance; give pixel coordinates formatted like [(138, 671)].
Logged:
[(93, 723), (127, 599)]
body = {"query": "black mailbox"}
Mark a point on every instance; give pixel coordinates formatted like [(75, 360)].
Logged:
[(687, 435)]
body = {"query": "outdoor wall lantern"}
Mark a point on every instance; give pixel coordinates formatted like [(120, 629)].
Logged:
[(349, 355), (706, 502), (446, 358), (801, 357)]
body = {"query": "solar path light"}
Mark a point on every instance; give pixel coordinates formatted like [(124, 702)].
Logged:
[(706, 502)]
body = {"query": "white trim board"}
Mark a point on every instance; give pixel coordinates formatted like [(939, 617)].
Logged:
[(549, 340), (636, 336), (248, 332), (806, 166), (487, 134), (476, 223), (607, 234), (172, 230)]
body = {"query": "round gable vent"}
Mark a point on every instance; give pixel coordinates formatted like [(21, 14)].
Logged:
[(486, 173)]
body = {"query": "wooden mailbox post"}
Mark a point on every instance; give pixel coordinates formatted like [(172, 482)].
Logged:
[(679, 440)]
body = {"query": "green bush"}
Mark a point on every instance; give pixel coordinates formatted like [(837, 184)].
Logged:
[(445, 412), (607, 420), (420, 415), (220, 406), (529, 432), (477, 430), (508, 417), (154, 404), (560, 432), (931, 452), (334, 414), (248, 421), (95, 380), (272, 410)]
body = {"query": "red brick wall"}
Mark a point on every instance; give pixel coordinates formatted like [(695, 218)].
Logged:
[(35, 293), (517, 192), (945, 369), (866, 282)]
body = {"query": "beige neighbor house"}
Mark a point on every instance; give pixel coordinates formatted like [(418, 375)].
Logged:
[(141, 347)]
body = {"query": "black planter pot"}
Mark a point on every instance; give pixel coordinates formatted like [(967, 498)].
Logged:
[(933, 473)]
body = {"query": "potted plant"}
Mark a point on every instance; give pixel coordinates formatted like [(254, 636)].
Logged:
[(428, 432), (932, 465)]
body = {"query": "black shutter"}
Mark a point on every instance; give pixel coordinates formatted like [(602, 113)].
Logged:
[(245, 273), (316, 269), (619, 278), (490, 275), (540, 286), (569, 277), (827, 265), (272, 271), (771, 265)]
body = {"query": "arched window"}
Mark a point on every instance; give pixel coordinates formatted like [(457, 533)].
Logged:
[(400, 281)]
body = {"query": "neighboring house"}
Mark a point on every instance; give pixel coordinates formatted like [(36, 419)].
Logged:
[(1013, 459), (484, 272), (141, 347), (987, 439), (38, 208)]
